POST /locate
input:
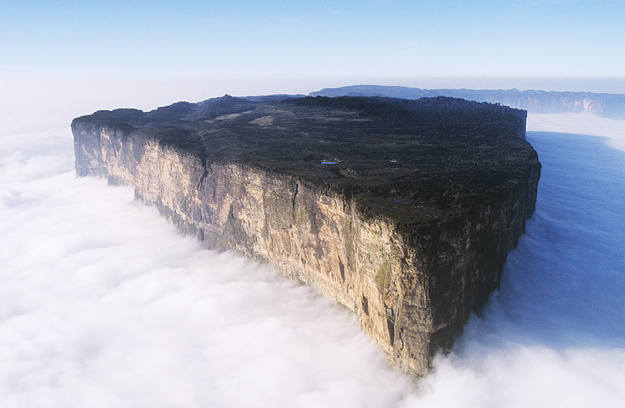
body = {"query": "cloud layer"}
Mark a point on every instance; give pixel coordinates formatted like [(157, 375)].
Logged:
[(104, 304)]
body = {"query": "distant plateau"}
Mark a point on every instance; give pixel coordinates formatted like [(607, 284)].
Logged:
[(535, 101)]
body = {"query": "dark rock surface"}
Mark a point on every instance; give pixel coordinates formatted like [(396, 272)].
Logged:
[(401, 210)]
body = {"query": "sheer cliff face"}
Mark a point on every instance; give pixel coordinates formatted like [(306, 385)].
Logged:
[(411, 281)]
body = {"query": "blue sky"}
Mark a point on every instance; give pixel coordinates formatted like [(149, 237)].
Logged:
[(317, 38), (297, 40)]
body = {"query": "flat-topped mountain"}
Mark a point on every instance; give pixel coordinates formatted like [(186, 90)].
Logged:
[(403, 211)]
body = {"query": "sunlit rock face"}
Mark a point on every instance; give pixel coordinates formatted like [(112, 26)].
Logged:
[(401, 211)]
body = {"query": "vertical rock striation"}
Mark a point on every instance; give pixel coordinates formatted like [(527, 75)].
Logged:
[(401, 211)]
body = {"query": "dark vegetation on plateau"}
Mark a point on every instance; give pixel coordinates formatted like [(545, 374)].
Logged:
[(412, 161)]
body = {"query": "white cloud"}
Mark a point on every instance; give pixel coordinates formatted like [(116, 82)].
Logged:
[(583, 123), (105, 304)]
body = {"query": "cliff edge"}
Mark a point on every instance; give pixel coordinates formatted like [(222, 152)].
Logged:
[(403, 211)]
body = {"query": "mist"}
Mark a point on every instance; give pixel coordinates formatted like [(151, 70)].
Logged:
[(104, 304)]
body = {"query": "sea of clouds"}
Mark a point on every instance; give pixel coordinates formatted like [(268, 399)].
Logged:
[(104, 304)]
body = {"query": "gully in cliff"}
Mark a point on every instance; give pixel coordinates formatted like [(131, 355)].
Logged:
[(402, 211)]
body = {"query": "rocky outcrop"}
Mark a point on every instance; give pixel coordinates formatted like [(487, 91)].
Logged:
[(401, 211)]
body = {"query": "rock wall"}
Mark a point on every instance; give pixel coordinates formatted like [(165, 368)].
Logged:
[(411, 287)]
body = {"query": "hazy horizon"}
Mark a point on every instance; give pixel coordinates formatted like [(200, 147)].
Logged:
[(148, 54)]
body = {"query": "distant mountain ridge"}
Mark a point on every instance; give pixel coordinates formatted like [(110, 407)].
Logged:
[(535, 101)]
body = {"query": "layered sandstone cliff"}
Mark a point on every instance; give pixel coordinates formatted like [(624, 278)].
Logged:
[(401, 211)]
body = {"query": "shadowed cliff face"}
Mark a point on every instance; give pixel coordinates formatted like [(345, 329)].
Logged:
[(402, 211)]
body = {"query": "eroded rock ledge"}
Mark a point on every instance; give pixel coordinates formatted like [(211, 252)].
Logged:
[(402, 211)]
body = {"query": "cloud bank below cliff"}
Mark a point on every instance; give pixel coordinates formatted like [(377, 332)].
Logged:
[(104, 304), (584, 123)]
